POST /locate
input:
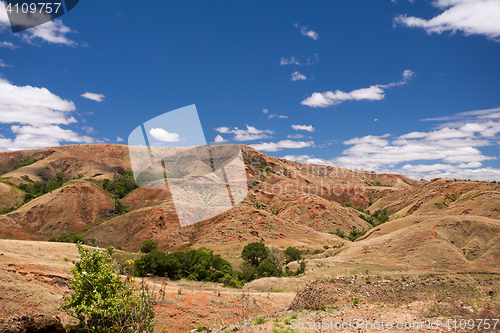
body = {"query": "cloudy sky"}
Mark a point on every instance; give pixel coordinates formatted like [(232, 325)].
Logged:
[(400, 86)]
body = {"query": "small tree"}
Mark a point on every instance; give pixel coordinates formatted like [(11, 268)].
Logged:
[(292, 254), (149, 246), (104, 302), (255, 253)]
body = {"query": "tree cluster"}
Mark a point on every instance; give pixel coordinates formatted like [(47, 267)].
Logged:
[(202, 265), (37, 189)]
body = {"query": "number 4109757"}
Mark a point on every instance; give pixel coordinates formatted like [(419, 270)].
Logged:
[(487, 324), (25, 8)]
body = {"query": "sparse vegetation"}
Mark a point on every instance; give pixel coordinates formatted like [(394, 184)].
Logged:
[(70, 237), (375, 219), (122, 184), (36, 189), (25, 162), (355, 234)]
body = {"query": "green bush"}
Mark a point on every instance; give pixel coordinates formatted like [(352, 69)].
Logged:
[(36, 189), (355, 234), (292, 254), (102, 301), (25, 162), (71, 237), (200, 264), (120, 207), (122, 184), (149, 246), (255, 253)]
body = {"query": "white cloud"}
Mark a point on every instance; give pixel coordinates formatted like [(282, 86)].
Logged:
[(162, 135), (32, 105), (219, 138), (276, 116), (52, 32), (289, 61), (265, 111), (472, 17), (33, 137), (305, 31), (40, 111), (309, 128), (251, 133), (297, 76), (118, 139), (93, 96), (272, 146), (373, 93), (8, 45), (4, 19), (89, 129), (3, 64), (223, 129), (296, 136)]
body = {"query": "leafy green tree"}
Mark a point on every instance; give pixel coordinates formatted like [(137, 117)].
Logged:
[(122, 184), (149, 246), (36, 189), (292, 254), (267, 268), (255, 253), (200, 264), (104, 302)]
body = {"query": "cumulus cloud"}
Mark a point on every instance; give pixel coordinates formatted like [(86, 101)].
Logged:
[(373, 93), (448, 152), (295, 136), (162, 135), (309, 128), (471, 17), (50, 32), (251, 133), (298, 77), (33, 137), (93, 96), (219, 139), (118, 139), (265, 111), (38, 115), (223, 129), (275, 146), (305, 31), (32, 105), (8, 45)]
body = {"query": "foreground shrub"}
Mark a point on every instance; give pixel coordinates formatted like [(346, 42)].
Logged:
[(102, 301)]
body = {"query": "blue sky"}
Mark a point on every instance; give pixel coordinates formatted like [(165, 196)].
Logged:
[(402, 86)]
